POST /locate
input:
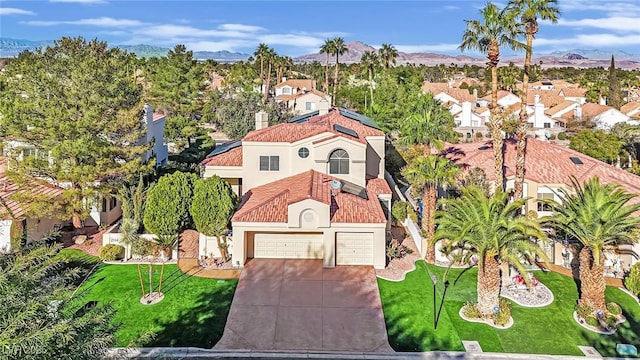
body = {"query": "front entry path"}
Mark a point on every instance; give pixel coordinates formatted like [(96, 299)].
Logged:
[(299, 305)]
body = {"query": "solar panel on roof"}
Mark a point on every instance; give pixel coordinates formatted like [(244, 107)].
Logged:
[(576, 160), (344, 130), (359, 117), (225, 147), (353, 189), (304, 117)]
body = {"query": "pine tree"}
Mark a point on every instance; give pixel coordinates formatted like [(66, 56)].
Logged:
[(615, 92)]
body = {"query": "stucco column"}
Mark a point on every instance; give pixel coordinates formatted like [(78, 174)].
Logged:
[(329, 239), (238, 256)]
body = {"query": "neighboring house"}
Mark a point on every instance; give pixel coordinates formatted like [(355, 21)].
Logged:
[(566, 110), (13, 219), (215, 81), (305, 102), (604, 116), (155, 123), (292, 87), (467, 117), (542, 85), (548, 98), (505, 99), (311, 188), (548, 167), (578, 95), (632, 110), (539, 120)]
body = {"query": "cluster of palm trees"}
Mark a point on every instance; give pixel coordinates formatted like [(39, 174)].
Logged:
[(386, 56), (269, 60), (335, 47)]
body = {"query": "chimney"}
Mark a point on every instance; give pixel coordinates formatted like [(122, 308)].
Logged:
[(284, 78), (465, 120), (603, 100), (536, 98), (538, 113), (475, 94), (262, 120), (577, 112), (323, 107), (147, 117)]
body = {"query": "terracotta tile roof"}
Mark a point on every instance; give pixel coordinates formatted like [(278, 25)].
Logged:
[(232, 157), (562, 106), (8, 189), (298, 84), (461, 95), (573, 92), (158, 116), (379, 185), (434, 88), (629, 107), (548, 97), (269, 203), (546, 163), (312, 91), (501, 94), (591, 110)]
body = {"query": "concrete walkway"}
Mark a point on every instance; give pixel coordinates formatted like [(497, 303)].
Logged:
[(299, 305), (192, 267)]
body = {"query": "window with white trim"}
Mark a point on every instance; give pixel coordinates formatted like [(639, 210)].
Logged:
[(269, 163), (339, 162), (542, 198)]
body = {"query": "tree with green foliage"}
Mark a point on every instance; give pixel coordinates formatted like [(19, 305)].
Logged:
[(270, 56), (214, 203), (168, 201), (327, 49), (528, 12), (493, 230), (236, 115), (498, 28), (74, 103), (426, 174), (260, 55), (598, 144), (632, 280), (388, 54), (392, 103), (369, 61), (41, 316), (177, 82), (598, 216), (338, 48), (430, 125), (615, 90)]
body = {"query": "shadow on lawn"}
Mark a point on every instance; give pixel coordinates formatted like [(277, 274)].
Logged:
[(628, 333), (201, 325)]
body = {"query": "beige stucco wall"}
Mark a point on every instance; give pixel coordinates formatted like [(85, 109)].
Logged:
[(309, 215), (300, 103), (376, 156)]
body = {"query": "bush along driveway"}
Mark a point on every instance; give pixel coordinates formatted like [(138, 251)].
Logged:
[(408, 312)]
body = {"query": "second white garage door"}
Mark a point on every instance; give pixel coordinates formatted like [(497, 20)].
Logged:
[(354, 248), (288, 246)]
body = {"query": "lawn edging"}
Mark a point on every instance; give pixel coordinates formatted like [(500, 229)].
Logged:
[(404, 274), (630, 294), (487, 322)]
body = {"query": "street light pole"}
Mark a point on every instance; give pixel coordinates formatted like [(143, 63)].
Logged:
[(434, 280)]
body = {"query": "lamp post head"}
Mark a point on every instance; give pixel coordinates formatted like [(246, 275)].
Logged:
[(434, 279)]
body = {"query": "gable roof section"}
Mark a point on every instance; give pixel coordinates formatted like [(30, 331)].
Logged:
[(298, 83), (227, 154), (591, 110), (547, 97), (629, 107), (573, 92), (546, 163), (270, 202), (501, 94), (562, 106)]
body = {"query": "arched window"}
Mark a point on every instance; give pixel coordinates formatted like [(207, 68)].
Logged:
[(339, 162)]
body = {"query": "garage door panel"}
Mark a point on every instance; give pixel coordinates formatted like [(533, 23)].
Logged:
[(354, 248), (288, 246)]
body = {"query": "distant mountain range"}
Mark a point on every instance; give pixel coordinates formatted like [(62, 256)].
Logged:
[(13, 47), (576, 57)]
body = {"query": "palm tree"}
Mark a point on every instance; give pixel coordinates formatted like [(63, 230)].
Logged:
[(598, 216), (326, 48), (494, 231), (260, 54), (388, 54), (528, 12), (428, 173), (370, 60), (338, 48), (430, 125), (270, 56), (498, 29)]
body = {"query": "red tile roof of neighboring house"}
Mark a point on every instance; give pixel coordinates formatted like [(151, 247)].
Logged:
[(232, 157), (591, 110), (545, 163), (158, 116), (501, 94), (312, 91), (562, 106), (269, 203), (629, 107), (548, 97), (461, 95), (11, 209), (434, 88), (573, 92), (298, 84)]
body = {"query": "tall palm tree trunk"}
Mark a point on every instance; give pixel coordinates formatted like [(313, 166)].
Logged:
[(266, 91), (592, 283), (496, 129), (335, 82), (488, 285), (326, 75), (521, 144), (429, 210), (371, 85)]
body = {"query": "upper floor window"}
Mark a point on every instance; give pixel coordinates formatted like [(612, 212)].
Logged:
[(309, 105), (542, 197), (339, 162), (269, 163), (286, 90)]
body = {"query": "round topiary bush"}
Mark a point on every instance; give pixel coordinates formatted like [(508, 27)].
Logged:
[(471, 311), (632, 280), (399, 210), (584, 311), (592, 321), (504, 314), (611, 321), (111, 252), (479, 135), (614, 309), (562, 136)]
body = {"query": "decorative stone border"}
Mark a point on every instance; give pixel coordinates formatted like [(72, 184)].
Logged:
[(630, 294), (590, 328), (488, 322), (404, 274), (505, 293)]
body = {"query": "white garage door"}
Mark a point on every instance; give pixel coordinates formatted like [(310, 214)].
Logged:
[(354, 248), (288, 246)]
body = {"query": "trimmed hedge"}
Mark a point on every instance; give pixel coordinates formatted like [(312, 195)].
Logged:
[(111, 252)]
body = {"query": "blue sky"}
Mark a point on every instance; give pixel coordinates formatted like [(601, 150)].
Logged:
[(299, 27)]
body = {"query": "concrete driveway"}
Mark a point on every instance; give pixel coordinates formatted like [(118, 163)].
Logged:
[(299, 305)]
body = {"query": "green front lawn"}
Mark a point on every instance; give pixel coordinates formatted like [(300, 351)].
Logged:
[(193, 312), (408, 311)]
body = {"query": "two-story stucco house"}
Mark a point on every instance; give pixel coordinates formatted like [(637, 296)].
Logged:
[(312, 188), (548, 167)]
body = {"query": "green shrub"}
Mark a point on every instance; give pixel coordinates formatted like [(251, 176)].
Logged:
[(593, 321), (411, 213), (584, 311), (562, 136), (611, 321), (470, 311), (399, 210), (552, 137), (632, 280), (111, 252), (614, 309), (503, 316), (479, 135)]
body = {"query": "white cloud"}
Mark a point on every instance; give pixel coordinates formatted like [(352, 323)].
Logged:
[(241, 28), (100, 22), (291, 40), (427, 48), (617, 23), (230, 45), (182, 31), (590, 40), (15, 11), (609, 8), (80, 1), (450, 7)]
